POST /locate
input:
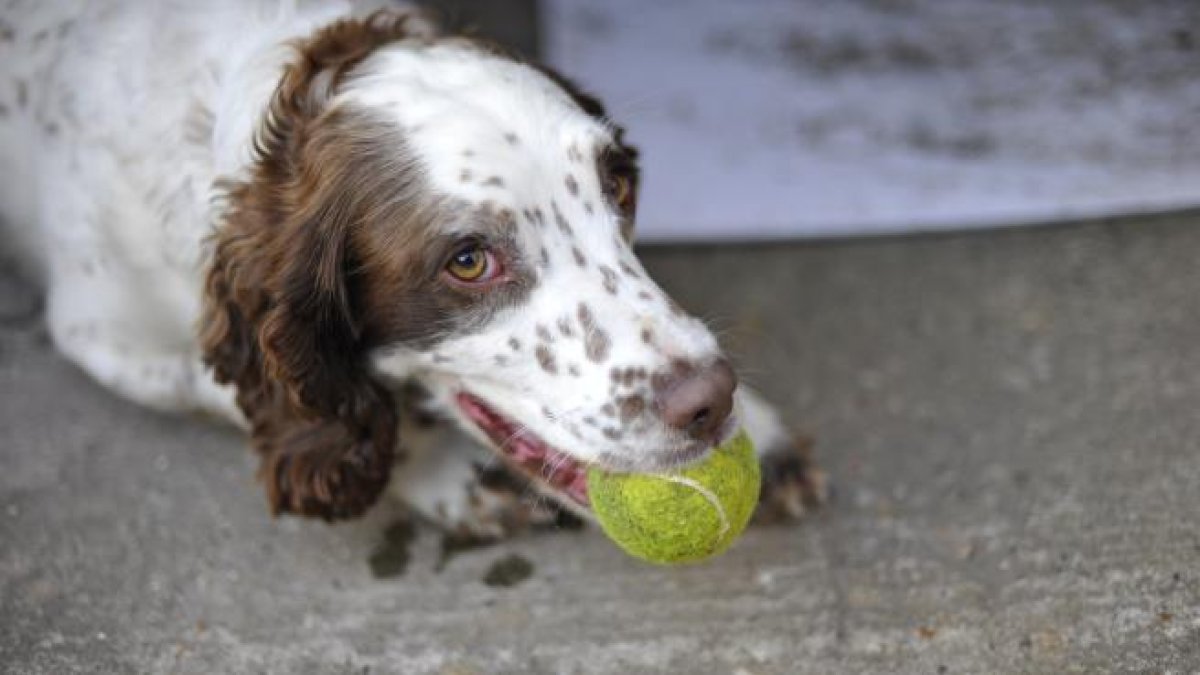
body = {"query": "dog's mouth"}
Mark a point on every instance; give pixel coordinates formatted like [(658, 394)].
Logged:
[(523, 450)]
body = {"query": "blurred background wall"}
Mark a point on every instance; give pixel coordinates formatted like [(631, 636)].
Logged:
[(793, 118)]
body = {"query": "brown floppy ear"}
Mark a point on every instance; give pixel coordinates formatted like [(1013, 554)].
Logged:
[(279, 318)]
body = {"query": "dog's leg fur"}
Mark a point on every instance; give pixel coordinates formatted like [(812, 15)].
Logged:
[(791, 484)]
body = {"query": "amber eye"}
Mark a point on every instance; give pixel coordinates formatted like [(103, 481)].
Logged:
[(621, 189), (469, 263)]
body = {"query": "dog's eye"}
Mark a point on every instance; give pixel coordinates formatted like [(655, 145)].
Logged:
[(472, 263), (621, 189)]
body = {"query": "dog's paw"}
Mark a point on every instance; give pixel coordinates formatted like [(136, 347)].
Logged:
[(791, 484)]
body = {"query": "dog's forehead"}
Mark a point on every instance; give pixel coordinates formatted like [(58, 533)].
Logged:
[(481, 126)]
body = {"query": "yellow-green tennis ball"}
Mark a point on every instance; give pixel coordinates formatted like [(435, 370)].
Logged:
[(683, 516)]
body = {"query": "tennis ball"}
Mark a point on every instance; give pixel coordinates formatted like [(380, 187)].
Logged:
[(679, 517)]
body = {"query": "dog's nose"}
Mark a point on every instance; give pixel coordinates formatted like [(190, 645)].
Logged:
[(700, 400)]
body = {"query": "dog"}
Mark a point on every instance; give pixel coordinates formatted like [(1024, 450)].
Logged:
[(400, 260)]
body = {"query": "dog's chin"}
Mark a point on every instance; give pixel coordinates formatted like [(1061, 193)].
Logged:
[(562, 473)]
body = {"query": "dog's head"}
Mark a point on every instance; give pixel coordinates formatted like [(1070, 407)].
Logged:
[(430, 209)]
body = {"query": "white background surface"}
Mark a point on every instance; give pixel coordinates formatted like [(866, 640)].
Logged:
[(780, 118)]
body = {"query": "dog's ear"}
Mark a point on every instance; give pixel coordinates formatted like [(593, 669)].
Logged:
[(279, 320)]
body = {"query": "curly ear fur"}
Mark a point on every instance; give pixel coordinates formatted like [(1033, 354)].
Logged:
[(279, 320)]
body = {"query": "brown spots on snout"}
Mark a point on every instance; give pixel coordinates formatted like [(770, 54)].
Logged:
[(610, 279), (572, 185), (561, 220), (545, 359), (628, 376), (564, 326), (596, 343), (630, 407), (677, 370)]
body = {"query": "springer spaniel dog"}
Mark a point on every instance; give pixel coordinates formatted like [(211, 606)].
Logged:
[(400, 260)]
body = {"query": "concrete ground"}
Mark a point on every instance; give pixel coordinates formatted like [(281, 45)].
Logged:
[(1009, 418)]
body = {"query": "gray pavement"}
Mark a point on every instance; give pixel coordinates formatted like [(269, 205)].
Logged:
[(1009, 418)]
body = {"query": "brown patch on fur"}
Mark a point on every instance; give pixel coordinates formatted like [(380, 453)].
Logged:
[(561, 220), (511, 138), (596, 343), (610, 279), (564, 326), (792, 485), (647, 336), (572, 185), (282, 321), (630, 407), (629, 271), (494, 181), (580, 259), (545, 359)]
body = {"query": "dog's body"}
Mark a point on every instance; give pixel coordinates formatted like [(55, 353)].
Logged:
[(276, 215)]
